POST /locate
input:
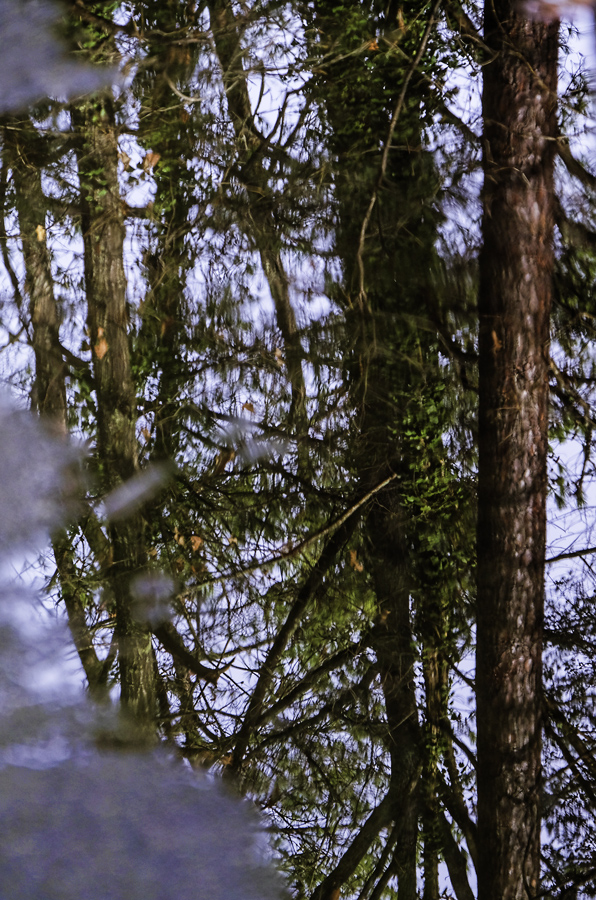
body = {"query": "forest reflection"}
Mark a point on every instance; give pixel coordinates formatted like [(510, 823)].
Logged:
[(248, 284)]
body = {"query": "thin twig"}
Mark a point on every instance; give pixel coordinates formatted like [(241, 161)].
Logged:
[(571, 555), (290, 551), (4, 245)]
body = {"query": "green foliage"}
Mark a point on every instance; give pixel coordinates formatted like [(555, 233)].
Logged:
[(314, 383)]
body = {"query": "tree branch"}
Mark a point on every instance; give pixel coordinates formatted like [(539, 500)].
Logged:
[(292, 551), (379, 818), (173, 643)]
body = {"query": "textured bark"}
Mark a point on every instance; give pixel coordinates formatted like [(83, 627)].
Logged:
[(105, 282), (516, 268), (25, 152), (388, 537), (393, 644), (435, 670), (26, 158)]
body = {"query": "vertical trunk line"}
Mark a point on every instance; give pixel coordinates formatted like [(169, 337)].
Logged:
[(105, 282), (393, 643), (516, 265), (25, 153), (49, 393), (435, 684)]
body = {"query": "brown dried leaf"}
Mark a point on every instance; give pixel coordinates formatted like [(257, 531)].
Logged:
[(225, 456), (196, 542), (355, 562), (248, 406), (150, 161)]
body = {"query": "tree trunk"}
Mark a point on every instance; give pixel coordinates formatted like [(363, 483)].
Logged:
[(25, 153), (394, 647), (105, 282), (163, 339), (26, 157), (397, 256), (516, 266)]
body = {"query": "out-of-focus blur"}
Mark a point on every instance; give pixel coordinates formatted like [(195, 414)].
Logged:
[(34, 62)]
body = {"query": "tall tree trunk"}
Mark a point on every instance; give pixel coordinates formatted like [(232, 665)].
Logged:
[(397, 255), (516, 266), (435, 686), (25, 152), (105, 282), (394, 647), (163, 338)]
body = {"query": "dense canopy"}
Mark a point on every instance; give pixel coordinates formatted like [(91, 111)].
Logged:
[(312, 289)]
